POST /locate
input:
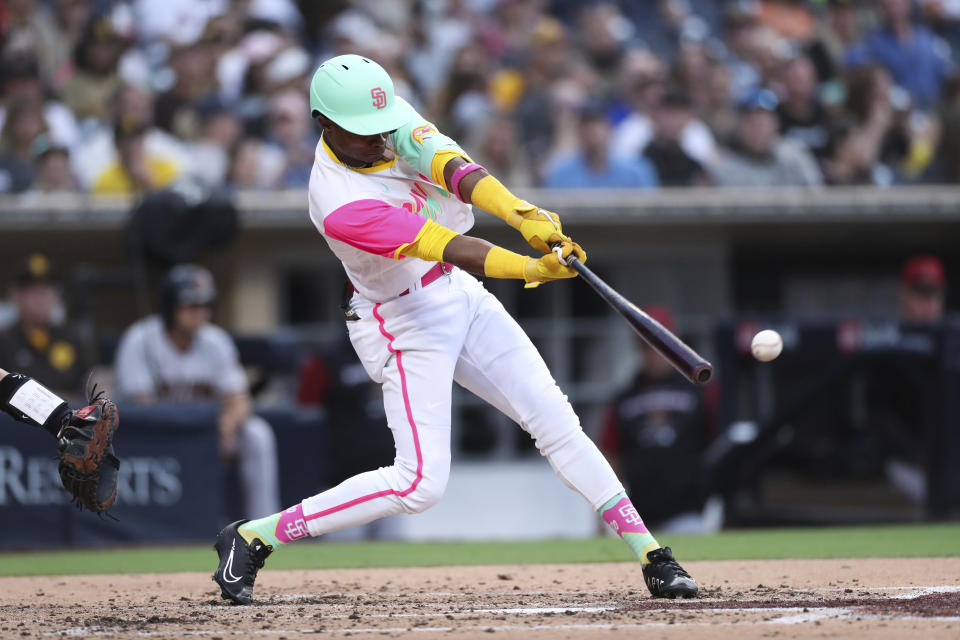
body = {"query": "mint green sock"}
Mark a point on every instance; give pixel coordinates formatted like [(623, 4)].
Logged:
[(263, 528), (622, 516), (280, 528)]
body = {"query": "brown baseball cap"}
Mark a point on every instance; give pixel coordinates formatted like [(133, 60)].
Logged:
[(924, 273)]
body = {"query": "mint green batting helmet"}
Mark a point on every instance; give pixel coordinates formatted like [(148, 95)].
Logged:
[(357, 94)]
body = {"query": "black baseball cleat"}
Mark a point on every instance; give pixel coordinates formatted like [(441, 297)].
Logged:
[(239, 563), (666, 578)]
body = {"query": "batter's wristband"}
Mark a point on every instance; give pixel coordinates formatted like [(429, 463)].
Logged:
[(503, 263), (459, 174)]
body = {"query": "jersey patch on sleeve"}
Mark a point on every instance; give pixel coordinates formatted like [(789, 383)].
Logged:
[(419, 133)]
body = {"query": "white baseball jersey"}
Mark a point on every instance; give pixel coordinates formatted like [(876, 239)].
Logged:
[(368, 215), (148, 363)]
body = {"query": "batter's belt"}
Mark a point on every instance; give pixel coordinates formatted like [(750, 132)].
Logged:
[(439, 269)]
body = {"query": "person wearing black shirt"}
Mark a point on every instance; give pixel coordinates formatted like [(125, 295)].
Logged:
[(655, 427)]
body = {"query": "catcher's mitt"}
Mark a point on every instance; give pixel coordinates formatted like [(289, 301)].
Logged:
[(88, 467)]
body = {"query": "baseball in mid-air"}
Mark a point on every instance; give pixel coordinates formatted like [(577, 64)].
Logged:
[(766, 345)]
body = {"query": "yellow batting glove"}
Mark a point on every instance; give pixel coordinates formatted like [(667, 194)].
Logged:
[(548, 267), (539, 227), (569, 249)]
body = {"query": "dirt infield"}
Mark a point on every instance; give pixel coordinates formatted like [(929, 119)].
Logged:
[(878, 598)]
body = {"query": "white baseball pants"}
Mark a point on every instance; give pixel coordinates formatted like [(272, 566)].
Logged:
[(415, 346)]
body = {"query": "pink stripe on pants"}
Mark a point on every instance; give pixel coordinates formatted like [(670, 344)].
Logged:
[(413, 428)]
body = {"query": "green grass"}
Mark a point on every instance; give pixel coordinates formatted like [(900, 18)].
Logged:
[(938, 540)]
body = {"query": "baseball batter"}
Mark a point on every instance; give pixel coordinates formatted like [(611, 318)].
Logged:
[(392, 197)]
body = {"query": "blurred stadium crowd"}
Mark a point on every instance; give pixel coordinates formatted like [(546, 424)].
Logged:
[(115, 96)]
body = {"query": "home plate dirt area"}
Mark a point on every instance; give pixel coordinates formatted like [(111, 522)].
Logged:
[(872, 598)]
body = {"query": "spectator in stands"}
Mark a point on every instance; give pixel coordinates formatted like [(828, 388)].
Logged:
[(536, 108), (642, 85), (912, 54), (179, 22), (23, 124), (674, 166), (91, 88), (719, 110), (760, 157), (603, 37), (803, 117), (743, 35), (464, 102), (669, 26), (291, 130), (658, 421), (533, 60), (136, 170), (24, 27), (495, 145), (180, 356), (869, 145), (835, 35), (39, 344), (133, 156), (51, 166), (66, 22), (177, 111), (220, 131), (256, 51), (21, 80), (922, 290), (255, 165), (594, 165), (690, 73)]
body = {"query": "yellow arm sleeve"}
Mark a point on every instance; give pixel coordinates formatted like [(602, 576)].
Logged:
[(503, 263), (490, 195), (429, 244), (440, 160)]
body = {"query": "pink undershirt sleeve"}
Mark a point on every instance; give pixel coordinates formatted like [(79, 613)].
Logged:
[(373, 226)]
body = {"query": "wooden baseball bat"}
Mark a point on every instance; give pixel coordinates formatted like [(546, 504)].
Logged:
[(684, 359)]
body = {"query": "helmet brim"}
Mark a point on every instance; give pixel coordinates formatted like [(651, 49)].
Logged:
[(387, 119)]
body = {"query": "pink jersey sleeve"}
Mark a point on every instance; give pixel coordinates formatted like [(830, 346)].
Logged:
[(373, 226)]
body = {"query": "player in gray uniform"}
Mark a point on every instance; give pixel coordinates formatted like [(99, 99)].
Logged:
[(179, 356)]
